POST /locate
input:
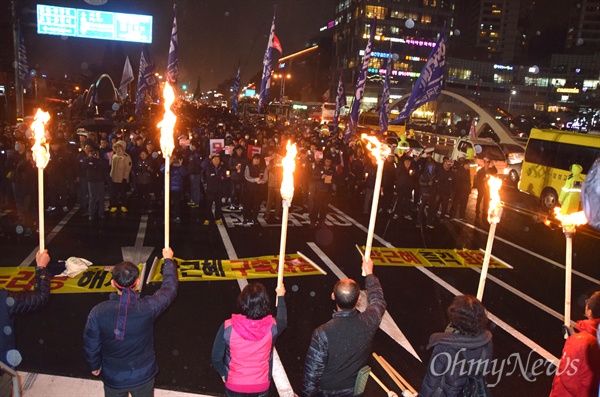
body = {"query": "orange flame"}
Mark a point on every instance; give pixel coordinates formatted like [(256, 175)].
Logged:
[(570, 221), (289, 165), (377, 149), (41, 155), (495, 209), (167, 124)]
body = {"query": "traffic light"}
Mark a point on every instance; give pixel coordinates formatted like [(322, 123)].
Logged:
[(184, 86)]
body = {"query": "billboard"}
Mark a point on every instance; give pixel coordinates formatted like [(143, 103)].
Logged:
[(91, 24)]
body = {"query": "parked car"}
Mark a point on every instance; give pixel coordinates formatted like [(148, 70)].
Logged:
[(514, 159)]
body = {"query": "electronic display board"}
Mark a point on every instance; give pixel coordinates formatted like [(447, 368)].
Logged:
[(91, 24)]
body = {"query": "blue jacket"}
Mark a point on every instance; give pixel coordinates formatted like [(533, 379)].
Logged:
[(177, 174), (129, 362)]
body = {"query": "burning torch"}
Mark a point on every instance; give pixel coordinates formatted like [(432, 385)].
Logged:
[(41, 155), (380, 152), (569, 225), (287, 193), (494, 215), (167, 125)]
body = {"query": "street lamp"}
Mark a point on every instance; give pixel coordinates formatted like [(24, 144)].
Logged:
[(512, 92), (283, 78)]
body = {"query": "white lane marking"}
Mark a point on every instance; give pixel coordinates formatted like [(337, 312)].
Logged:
[(284, 387), (138, 253), (27, 261), (388, 325), (525, 297), (582, 275), (509, 329)]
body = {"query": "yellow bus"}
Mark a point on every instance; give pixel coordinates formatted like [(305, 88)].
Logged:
[(548, 157), (371, 120)]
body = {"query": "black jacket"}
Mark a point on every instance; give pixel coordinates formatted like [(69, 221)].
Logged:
[(12, 303), (452, 353), (341, 347)]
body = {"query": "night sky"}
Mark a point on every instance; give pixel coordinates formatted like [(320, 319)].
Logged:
[(214, 35)]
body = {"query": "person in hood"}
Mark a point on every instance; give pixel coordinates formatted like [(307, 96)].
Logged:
[(578, 373), (242, 353), (118, 339), (465, 341), (571, 192)]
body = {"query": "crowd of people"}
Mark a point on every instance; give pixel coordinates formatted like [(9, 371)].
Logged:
[(118, 340), (114, 171), (117, 171)]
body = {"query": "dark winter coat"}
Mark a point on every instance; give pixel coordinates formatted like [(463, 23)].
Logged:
[(12, 303), (330, 365), (129, 362), (449, 349), (215, 177)]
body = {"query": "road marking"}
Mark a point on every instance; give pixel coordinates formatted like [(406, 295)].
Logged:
[(582, 275), (388, 325), (138, 253), (509, 329), (27, 261), (528, 298), (284, 387)]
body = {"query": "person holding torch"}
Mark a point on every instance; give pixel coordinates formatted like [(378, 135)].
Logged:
[(331, 366)]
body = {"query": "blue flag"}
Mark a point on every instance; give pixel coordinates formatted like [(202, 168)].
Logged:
[(340, 101), (146, 82), (429, 84), (360, 84), (236, 92), (385, 96), (173, 60), (23, 66), (265, 83)]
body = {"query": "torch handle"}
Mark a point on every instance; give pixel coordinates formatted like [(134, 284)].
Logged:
[(486, 260), (41, 228), (167, 199), (374, 205), (568, 272), (282, 243)]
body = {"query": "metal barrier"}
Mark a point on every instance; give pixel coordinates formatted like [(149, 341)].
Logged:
[(15, 378)]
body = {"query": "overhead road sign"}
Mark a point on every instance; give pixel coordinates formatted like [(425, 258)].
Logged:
[(92, 24)]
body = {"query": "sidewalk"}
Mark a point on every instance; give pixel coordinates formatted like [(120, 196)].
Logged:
[(40, 385)]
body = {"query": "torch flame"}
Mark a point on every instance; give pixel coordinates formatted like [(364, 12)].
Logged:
[(289, 165), (377, 149), (167, 125), (41, 155), (570, 221), (495, 209)]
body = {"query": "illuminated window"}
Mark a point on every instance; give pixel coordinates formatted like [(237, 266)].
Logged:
[(376, 11), (430, 3), (394, 30), (425, 18)]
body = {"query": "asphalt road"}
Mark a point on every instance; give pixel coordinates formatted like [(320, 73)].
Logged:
[(525, 303)]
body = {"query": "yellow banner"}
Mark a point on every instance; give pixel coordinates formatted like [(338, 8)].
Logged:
[(223, 269), (94, 279), (431, 257)]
